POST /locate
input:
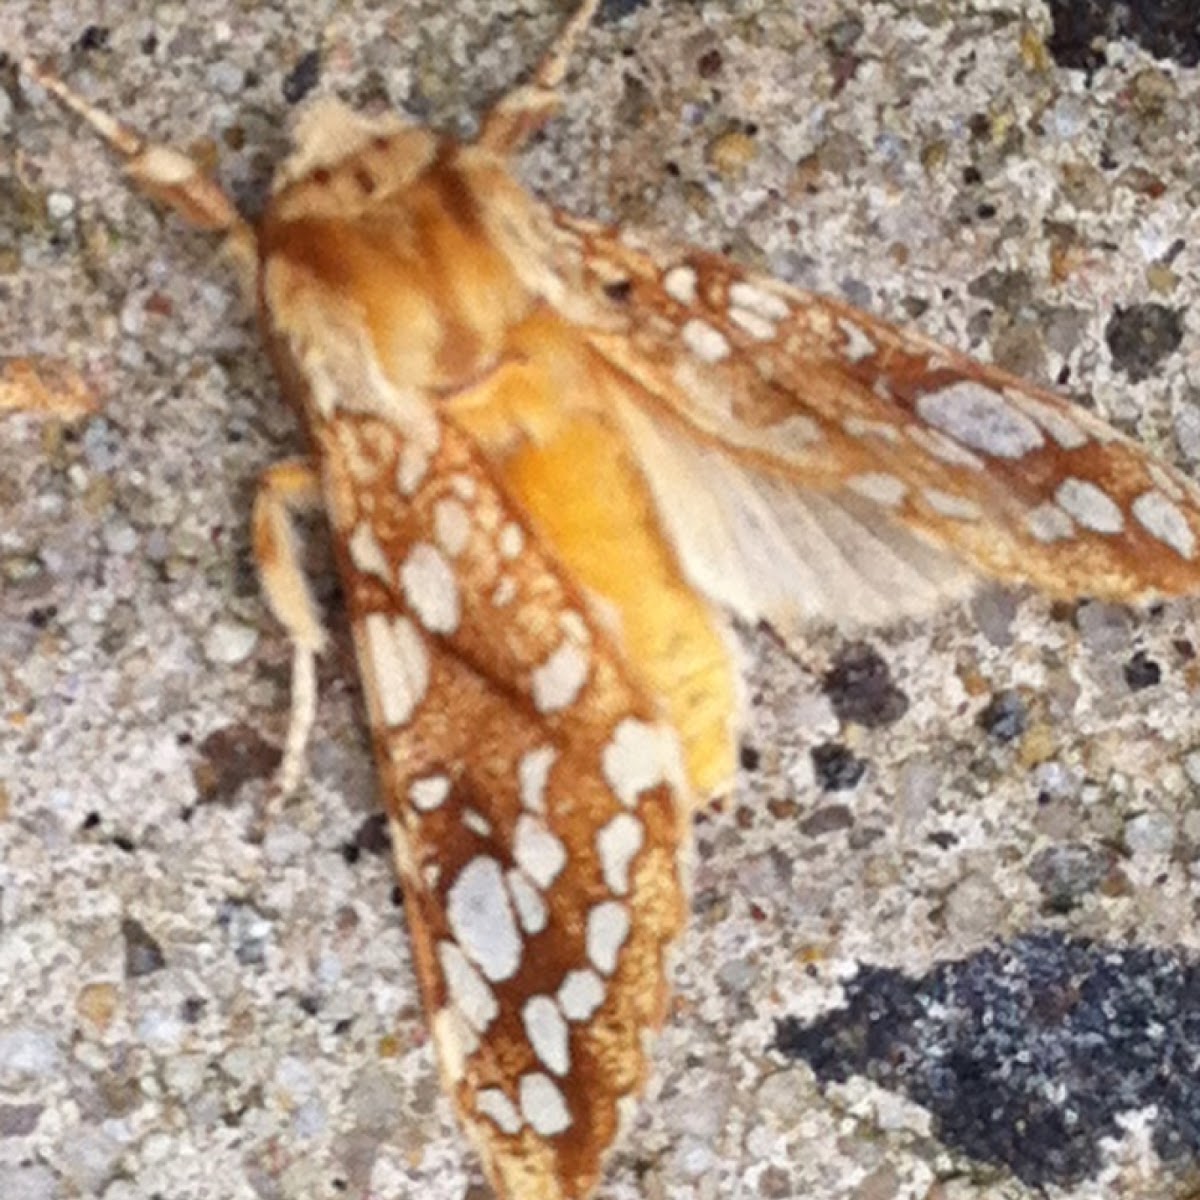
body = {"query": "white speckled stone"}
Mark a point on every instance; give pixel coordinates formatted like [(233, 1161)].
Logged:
[(1150, 833), (229, 643)]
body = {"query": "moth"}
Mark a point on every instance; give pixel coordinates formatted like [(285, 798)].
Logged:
[(557, 461)]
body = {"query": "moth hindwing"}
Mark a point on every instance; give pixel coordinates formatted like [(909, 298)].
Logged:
[(555, 461)]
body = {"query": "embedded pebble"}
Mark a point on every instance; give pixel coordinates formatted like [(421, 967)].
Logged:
[(89, 1157), (249, 932), (1066, 874), (19, 1120), (995, 610), (785, 1097), (1150, 833), (859, 686), (1005, 717), (143, 955), (1141, 671), (27, 1053), (294, 1078), (31, 1183), (1053, 781), (60, 206), (161, 1030), (837, 768), (701, 1111), (120, 538), (1105, 628), (226, 78), (229, 643), (1191, 768)]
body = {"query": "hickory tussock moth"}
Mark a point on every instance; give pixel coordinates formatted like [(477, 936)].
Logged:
[(465, 368)]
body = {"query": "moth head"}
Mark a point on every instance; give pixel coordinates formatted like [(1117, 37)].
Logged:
[(328, 136)]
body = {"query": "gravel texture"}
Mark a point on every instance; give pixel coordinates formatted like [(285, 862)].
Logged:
[(930, 821)]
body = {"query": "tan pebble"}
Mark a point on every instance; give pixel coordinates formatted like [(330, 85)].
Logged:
[(96, 1004), (1037, 746), (730, 153)]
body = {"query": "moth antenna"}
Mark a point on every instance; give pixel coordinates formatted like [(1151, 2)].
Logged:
[(519, 114), (553, 67), (164, 174)]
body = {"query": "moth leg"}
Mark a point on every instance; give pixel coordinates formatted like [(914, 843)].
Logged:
[(519, 114), (286, 489), (164, 174), (44, 387)]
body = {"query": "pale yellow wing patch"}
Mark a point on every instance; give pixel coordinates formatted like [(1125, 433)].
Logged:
[(546, 424)]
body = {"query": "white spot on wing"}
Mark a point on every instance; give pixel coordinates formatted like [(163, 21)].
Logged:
[(464, 487), (634, 760), (617, 845), (709, 345), (499, 1109), (547, 1032), (468, 990), (947, 504), (940, 446), (680, 284), (505, 592), (981, 418), (560, 679), (451, 526), (429, 793), (580, 994), (758, 300), (527, 900), (511, 541), (456, 1041), (477, 823), (1048, 523), (481, 919), (858, 345), (537, 851), (411, 468), (860, 427), (1161, 519), (879, 488), (1164, 481), (532, 772), (607, 929), (793, 433), (367, 554), (760, 329), (1091, 507), (430, 588), (575, 627), (1055, 422), (543, 1105), (399, 663)]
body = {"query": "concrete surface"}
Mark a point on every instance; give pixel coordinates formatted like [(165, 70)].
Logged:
[(187, 1012)]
